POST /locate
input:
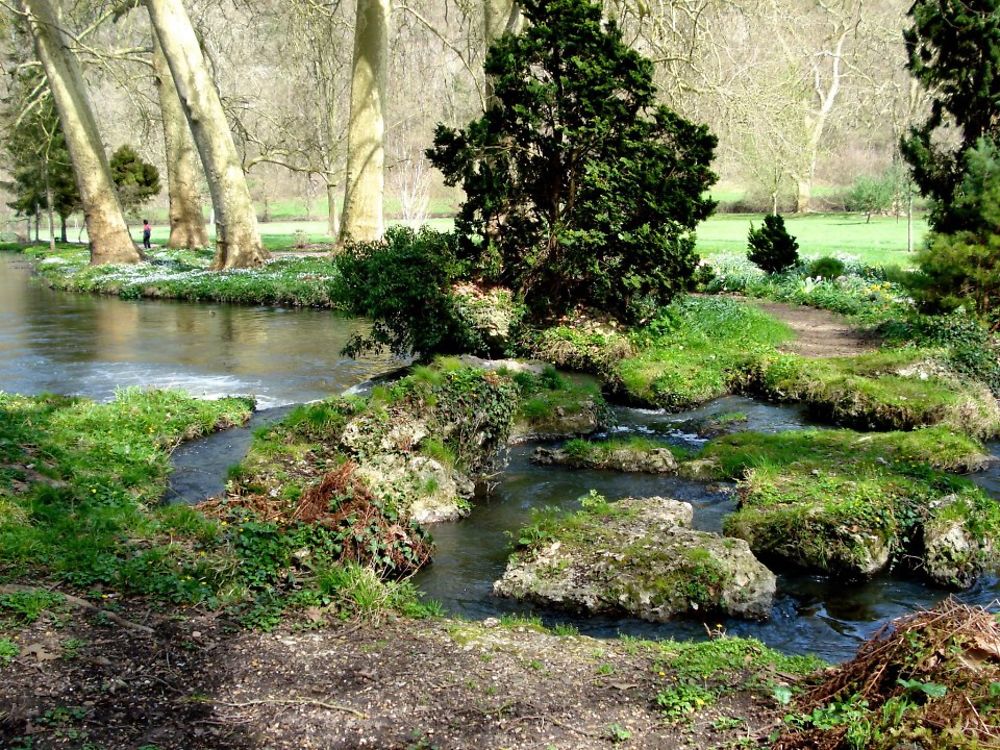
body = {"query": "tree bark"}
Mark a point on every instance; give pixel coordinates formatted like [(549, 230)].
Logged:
[(332, 214), (110, 241), (62, 229), (363, 218), (238, 239), (187, 224), (499, 17)]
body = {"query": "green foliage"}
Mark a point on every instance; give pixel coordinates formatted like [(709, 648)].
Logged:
[(403, 283), (8, 652), (771, 247), (875, 194), (683, 699), (827, 268), (185, 274), (36, 154), (597, 203), (960, 268), (25, 607), (954, 51), (137, 181)]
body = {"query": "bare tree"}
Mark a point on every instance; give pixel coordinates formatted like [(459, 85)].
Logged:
[(187, 224), (238, 243), (110, 241), (363, 210)]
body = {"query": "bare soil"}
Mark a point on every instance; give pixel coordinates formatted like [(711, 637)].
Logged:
[(818, 333), (199, 682)]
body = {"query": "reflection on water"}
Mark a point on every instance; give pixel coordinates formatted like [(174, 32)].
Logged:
[(81, 344)]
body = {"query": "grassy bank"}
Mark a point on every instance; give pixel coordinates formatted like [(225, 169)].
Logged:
[(185, 274)]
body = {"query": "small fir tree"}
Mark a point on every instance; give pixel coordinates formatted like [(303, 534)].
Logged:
[(581, 189), (772, 248)]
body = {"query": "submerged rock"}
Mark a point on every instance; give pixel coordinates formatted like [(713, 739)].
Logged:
[(640, 557), (617, 458)]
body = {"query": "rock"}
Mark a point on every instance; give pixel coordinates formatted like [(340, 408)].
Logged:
[(953, 555), (428, 491), (367, 435), (816, 538), (586, 418), (489, 314), (535, 367), (621, 458), (640, 557)]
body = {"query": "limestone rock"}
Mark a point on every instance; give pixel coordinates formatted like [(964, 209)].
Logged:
[(621, 458), (640, 557), (489, 314), (953, 555), (434, 493)]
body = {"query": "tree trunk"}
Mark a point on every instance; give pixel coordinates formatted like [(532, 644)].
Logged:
[(803, 195), (499, 17), (332, 214), (62, 229), (238, 240), (110, 241), (38, 224), (49, 210), (187, 224), (363, 218)]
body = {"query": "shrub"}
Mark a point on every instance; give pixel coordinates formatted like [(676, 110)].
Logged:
[(874, 194), (403, 283), (961, 269), (772, 248), (827, 268), (597, 203)]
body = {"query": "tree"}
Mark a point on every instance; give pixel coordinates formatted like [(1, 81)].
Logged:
[(873, 194), (772, 248), (239, 244), (36, 154), (110, 241), (137, 180), (580, 188), (187, 224), (363, 213), (954, 51)]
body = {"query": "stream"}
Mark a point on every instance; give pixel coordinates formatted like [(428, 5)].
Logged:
[(90, 346)]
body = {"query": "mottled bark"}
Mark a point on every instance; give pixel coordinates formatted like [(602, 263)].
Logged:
[(238, 240), (363, 216), (110, 241), (187, 224)]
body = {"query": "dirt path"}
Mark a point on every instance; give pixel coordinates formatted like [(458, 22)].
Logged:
[(818, 333), (407, 685)]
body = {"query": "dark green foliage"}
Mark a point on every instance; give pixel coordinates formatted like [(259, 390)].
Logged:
[(772, 248), (137, 181), (961, 268), (954, 51), (826, 268), (580, 188), (36, 154), (403, 283)]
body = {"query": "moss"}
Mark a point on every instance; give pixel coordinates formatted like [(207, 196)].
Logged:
[(596, 451), (557, 404), (902, 389)]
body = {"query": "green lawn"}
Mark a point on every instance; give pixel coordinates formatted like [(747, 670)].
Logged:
[(881, 242)]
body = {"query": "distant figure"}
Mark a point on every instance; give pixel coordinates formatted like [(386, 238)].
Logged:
[(147, 232)]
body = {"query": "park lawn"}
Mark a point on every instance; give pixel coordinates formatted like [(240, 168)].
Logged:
[(881, 242)]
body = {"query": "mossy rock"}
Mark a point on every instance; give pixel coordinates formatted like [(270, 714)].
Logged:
[(629, 456), (961, 539), (638, 557)]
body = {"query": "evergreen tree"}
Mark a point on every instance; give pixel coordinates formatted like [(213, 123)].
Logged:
[(137, 181), (581, 189), (36, 154), (954, 51), (772, 248)]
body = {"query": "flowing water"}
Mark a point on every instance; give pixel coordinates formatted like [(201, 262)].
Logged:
[(90, 346)]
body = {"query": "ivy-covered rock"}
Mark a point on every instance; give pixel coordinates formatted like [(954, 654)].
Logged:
[(639, 557), (554, 406), (489, 315)]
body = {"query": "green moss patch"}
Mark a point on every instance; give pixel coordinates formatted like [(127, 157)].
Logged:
[(851, 503), (554, 405)]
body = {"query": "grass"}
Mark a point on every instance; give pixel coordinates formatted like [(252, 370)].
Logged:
[(79, 483), (850, 503), (881, 242), (554, 403), (690, 354), (184, 274)]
